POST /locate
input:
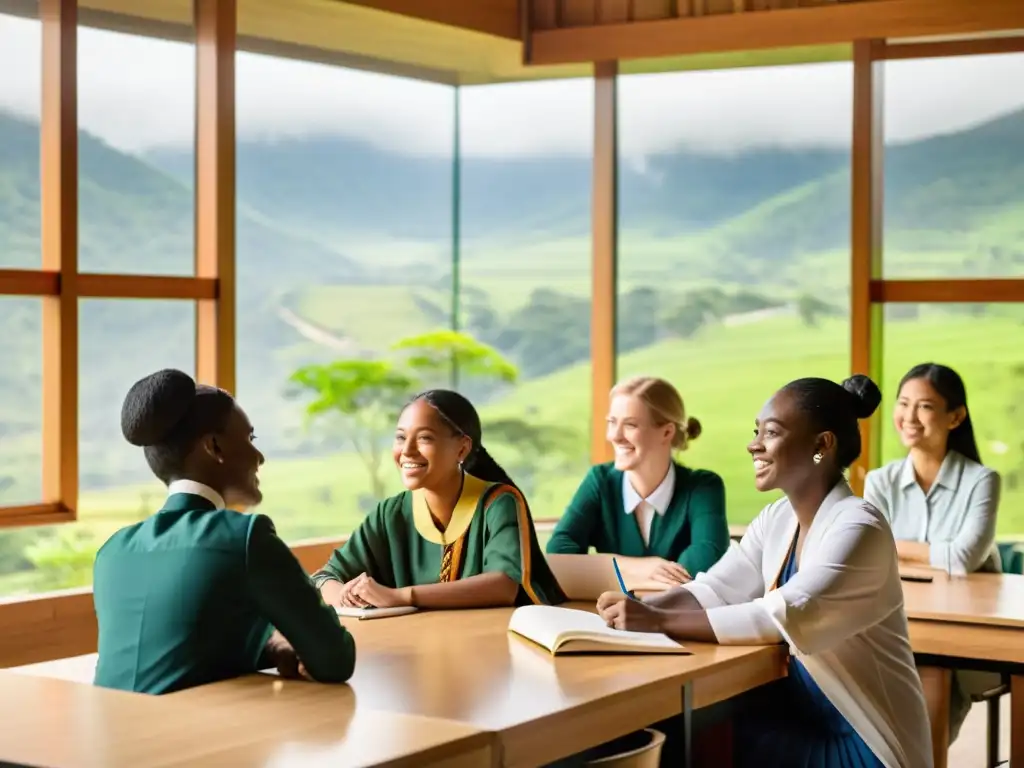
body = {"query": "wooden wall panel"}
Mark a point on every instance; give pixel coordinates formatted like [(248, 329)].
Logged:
[(577, 13), (613, 11), (646, 10), (544, 14)]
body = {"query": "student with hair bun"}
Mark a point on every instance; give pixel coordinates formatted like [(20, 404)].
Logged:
[(200, 591), (666, 520), (459, 536), (818, 571)]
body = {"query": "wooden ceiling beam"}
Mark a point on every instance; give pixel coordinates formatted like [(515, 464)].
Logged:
[(785, 28), (493, 17)]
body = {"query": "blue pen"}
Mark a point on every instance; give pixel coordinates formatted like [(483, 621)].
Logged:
[(622, 584)]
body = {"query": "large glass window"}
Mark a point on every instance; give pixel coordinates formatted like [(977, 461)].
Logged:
[(20, 84), (984, 343), (344, 250), (135, 154), (526, 279), (954, 167), (734, 245)]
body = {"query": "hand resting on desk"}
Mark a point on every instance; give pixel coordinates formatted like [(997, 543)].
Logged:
[(364, 592)]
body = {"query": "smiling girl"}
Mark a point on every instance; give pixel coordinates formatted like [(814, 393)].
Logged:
[(459, 536), (668, 521)]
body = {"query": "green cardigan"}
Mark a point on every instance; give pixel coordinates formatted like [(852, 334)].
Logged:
[(693, 531), (192, 594)]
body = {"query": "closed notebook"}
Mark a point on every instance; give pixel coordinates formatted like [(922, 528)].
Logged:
[(375, 613), (565, 630)]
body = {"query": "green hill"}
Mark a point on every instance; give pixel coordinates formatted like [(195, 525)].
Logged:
[(343, 249)]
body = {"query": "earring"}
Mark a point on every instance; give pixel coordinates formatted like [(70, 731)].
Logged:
[(460, 466), (818, 457)]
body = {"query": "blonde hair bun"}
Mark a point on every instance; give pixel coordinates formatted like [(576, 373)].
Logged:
[(665, 405)]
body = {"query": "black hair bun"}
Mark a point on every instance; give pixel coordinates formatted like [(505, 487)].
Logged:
[(155, 405), (866, 394)]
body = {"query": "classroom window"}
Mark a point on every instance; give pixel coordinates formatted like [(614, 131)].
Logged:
[(734, 245), (20, 63), (526, 281), (954, 167), (135, 154), (981, 342), (344, 250)]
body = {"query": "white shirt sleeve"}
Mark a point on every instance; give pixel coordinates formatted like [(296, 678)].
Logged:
[(875, 495), (970, 548)]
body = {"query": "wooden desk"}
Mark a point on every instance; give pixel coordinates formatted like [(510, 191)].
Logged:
[(974, 621), (63, 724), (465, 667)]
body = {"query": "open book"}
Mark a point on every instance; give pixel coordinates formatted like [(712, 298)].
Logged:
[(565, 630), (375, 613)]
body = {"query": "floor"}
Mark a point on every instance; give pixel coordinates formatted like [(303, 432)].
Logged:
[(968, 751)]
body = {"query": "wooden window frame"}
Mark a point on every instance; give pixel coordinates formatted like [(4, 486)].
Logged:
[(59, 283)]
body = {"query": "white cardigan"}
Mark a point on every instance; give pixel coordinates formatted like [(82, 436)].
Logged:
[(841, 613)]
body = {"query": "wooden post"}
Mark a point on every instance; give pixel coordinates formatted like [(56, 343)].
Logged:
[(58, 143), (215, 22), (605, 216), (866, 237)]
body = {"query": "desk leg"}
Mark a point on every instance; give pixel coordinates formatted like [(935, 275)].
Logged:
[(1017, 721), (937, 683), (688, 725)]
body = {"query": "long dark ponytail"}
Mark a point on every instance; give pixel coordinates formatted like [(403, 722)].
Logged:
[(950, 387), (459, 414)]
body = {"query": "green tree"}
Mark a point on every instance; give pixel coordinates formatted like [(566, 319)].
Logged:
[(432, 357), (64, 560), (361, 398), (363, 395)]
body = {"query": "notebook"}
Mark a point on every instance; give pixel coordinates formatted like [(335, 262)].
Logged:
[(585, 577), (375, 613), (566, 630)]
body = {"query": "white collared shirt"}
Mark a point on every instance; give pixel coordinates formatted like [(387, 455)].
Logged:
[(655, 504), (841, 613), (196, 489), (957, 516)]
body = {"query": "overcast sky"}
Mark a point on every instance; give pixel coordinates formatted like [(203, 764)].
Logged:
[(137, 93)]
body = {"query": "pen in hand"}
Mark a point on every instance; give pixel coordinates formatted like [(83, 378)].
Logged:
[(622, 584)]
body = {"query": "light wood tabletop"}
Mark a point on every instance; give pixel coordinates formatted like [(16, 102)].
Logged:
[(981, 598), (53, 722), (464, 666)]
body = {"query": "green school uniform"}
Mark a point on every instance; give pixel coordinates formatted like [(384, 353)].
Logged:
[(399, 545), (692, 531), (192, 594)]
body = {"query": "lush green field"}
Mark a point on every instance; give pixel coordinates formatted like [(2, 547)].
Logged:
[(725, 373)]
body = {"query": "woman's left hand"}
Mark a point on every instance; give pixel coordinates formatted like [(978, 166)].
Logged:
[(367, 589), (622, 612)]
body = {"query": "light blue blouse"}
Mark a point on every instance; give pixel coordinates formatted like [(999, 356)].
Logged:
[(957, 516)]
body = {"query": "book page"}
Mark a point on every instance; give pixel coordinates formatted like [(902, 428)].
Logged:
[(552, 626)]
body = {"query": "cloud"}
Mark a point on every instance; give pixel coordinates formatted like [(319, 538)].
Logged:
[(137, 93)]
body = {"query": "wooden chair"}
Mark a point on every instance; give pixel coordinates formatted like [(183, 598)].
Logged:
[(646, 756)]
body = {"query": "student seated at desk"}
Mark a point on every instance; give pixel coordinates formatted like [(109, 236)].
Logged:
[(668, 520), (460, 536), (193, 594), (940, 500), (816, 570)]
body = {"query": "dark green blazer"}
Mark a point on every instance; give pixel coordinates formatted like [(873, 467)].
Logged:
[(192, 594), (693, 531)]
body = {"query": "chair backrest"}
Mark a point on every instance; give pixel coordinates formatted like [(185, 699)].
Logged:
[(647, 756)]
